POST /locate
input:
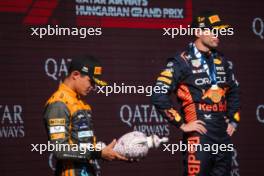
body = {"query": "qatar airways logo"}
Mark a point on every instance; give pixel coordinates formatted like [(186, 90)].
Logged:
[(56, 68), (144, 118), (258, 27), (260, 113), (12, 124)]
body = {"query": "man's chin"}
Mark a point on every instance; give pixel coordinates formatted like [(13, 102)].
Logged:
[(84, 93), (213, 46)]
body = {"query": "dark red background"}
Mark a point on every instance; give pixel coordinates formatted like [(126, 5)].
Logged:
[(132, 56)]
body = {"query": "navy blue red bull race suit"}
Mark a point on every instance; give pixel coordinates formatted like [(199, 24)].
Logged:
[(188, 75)]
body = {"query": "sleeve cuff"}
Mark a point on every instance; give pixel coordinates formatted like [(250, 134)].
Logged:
[(96, 154), (234, 124), (177, 124), (235, 118)]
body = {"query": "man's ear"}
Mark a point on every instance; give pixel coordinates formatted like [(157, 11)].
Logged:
[(75, 74), (198, 32)]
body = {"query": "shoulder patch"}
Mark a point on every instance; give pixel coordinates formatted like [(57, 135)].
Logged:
[(166, 73), (164, 79)]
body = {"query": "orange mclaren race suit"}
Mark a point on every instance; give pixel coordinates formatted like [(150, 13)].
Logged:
[(68, 121), (210, 97)]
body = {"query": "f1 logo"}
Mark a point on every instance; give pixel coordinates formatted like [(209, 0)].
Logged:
[(38, 11)]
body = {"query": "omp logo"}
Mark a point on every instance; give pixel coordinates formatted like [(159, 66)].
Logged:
[(37, 11)]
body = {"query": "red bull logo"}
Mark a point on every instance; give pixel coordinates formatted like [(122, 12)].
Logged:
[(193, 163), (219, 107), (215, 93)]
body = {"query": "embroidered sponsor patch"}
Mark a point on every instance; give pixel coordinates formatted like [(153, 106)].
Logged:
[(82, 125), (56, 129), (82, 134), (213, 19), (196, 63), (57, 136), (97, 70), (217, 61), (56, 121)]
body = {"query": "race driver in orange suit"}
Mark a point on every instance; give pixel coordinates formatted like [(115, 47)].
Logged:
[(68, 120), (208, 92)]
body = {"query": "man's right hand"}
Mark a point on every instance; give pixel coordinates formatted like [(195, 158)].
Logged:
[(109, 154), (196, 125)]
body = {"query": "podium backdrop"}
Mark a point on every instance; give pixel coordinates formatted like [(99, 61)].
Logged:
[(133, 50)]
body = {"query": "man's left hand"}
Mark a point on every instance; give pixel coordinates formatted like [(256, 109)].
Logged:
[(230, 129)]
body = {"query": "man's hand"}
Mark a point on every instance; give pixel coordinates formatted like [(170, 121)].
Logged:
[(196, 125), (109, 154), (230, 129)]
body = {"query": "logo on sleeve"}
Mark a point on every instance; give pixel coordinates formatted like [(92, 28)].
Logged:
[(57, 129), (217, 61), (56, 121), (57, 136), (82, 134)]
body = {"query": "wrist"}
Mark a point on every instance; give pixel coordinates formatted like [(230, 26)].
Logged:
[(182, 126), (96, 154), (234, 124)]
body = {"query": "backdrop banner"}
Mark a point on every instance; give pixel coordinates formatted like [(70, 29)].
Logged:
[(39, 38)]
